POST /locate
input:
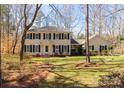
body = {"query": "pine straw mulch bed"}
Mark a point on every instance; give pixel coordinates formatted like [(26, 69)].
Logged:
[(27, 79), (86, 65)]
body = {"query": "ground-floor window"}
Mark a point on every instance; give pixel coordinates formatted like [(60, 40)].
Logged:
[(102, 47), (59, 49), (46, 49), (32, 48)]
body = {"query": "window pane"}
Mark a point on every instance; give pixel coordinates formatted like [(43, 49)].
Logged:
[(37, 36), (30, 35), (33, 35), (30, 48), (46, 48), (49, 35)]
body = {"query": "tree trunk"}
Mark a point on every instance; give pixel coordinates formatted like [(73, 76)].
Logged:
[(87, 34), (0, 51)]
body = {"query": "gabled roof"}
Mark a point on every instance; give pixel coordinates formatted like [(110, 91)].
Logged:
[(77, 41), (50, 28), (83, 41)]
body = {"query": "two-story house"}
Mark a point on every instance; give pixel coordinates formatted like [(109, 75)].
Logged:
[(48, 40)]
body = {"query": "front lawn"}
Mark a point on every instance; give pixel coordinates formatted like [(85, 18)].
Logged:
[(87, 77), (65, 73)]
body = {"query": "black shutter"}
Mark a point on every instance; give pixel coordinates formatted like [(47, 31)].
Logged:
[(68, 48), (100, 48), (30, 48), (68, 35), (33, 48), (43, 35), (59, 48), (30, 35), (39, 48), (60, 36), (33, 35), (53, 48), (24, 48), (92, 47), (53, 35), (105, 47), (62, 48), (39, 36), (49, 36)]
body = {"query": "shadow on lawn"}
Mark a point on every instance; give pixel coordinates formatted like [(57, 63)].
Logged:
[(61, 81)]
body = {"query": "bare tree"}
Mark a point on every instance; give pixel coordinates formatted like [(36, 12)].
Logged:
[(27, 27), (0, 50), (87, 34)]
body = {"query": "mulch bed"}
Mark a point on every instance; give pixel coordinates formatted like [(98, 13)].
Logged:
[(28, 79), (86, 65)]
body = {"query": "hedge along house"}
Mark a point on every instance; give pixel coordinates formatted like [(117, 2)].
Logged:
[(48, 40), (96, 43)]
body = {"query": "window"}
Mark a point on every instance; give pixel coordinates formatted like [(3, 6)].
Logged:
[(92, 47), (64, 49), (37, 48), (53, 48), (49, 36), (27, 36), (30, 48), (27, 48), (33, 35), (57, 36), (37, 36), (60, 36), (65, 36), (46, 49), (30, 35)]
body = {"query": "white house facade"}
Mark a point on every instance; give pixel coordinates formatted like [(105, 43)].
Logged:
[(48, 41)]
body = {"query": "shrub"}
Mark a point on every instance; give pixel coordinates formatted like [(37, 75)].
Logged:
[(113, 80)]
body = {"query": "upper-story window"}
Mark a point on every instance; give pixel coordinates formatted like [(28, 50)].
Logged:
[(47, 36), (33, 36), (37, 36), (28, 36), (57, 36)]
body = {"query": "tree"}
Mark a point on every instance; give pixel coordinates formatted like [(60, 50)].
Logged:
[(0, 50), (87, 34), (27, 26)]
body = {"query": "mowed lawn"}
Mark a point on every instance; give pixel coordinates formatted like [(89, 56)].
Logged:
[(84, 77), (65, 73)]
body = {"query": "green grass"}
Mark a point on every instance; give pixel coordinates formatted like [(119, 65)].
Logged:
[(89, 77), (66, 75)]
